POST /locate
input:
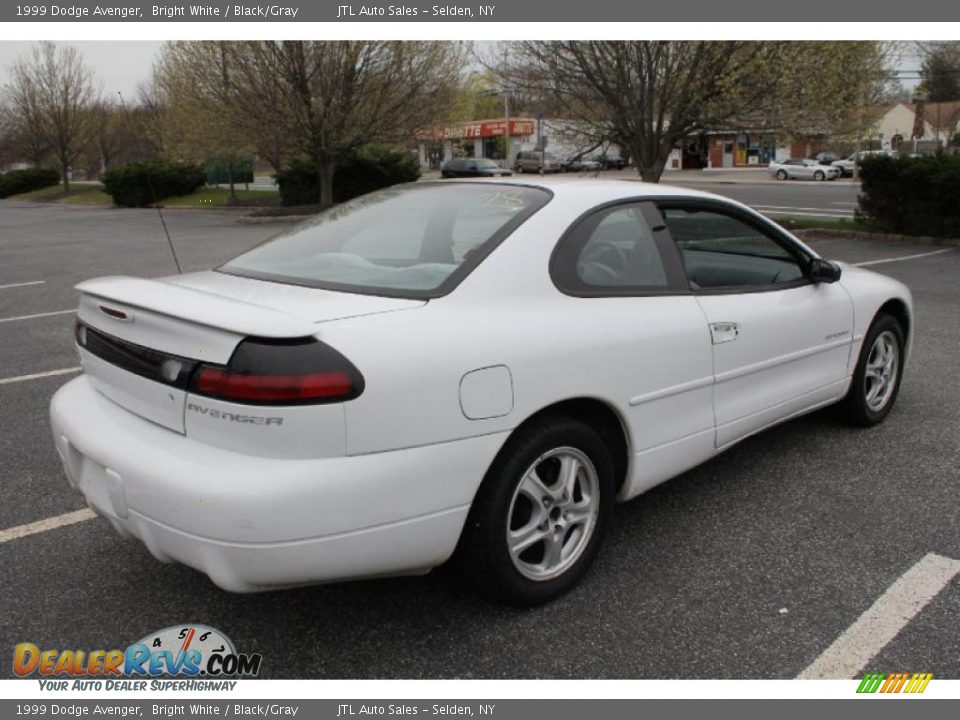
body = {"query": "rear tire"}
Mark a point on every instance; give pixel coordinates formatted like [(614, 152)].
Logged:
[(781, 174), (876, 380), (541, 513)]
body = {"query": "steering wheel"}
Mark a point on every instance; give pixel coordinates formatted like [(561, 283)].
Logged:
[(600, 253)]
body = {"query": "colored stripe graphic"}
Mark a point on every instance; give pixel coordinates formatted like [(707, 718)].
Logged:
[(894, 682)]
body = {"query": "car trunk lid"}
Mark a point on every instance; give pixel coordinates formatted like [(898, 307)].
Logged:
[(147, 336)]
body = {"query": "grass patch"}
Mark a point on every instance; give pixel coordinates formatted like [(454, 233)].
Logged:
[(204, 197), (218, 197), (79, 194)]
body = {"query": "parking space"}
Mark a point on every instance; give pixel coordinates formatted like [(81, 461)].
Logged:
[(751, 565)]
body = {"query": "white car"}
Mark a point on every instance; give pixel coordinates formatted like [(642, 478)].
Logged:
[(848, 165), (479, 366), (803, 170)]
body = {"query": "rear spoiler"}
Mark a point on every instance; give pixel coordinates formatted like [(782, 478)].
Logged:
[(198, 307)]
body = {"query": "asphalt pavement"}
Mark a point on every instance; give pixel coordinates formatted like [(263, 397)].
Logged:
[(749, 566)]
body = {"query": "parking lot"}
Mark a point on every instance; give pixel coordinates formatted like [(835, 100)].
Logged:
[(750, 566)]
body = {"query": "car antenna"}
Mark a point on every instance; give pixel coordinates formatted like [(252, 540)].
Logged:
[(153, 193)]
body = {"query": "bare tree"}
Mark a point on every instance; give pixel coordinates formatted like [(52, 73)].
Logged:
[(646, 96), (51, 92), (335, 96)]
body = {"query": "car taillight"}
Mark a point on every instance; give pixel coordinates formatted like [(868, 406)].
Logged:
[(280, 372)]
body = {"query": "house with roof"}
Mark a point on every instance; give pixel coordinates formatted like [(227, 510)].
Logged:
[(932, 124)]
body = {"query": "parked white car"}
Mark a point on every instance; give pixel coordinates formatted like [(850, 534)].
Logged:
[(479, 366), (803, 170), (848, 165)]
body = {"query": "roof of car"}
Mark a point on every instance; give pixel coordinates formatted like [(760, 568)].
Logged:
[(594, 189)]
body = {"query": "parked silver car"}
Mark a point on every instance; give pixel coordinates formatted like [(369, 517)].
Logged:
[(803, 170)]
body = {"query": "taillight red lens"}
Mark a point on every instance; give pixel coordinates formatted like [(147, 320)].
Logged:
[(273, 388), (264, 371)]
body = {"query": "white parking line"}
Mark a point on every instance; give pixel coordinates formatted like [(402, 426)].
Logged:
[(37, 376), (807, 209), (37, 315), (22, 284), (51, 523), (796, 213), (903, 257), (883, 620)]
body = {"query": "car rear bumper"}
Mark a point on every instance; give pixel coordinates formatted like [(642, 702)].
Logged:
[(254, 523)]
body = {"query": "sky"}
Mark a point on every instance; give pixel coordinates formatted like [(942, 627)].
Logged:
[(122, 66)]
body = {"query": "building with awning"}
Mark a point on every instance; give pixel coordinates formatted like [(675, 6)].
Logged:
[(476, 138)]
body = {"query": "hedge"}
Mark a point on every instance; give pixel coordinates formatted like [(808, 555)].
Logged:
[(911, 196), (16, 182), (369, 169), (144, 183)]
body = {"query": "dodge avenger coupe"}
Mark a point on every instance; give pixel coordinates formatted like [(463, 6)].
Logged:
[(470, 369)]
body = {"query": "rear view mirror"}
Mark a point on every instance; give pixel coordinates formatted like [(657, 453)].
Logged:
[(821, 270)]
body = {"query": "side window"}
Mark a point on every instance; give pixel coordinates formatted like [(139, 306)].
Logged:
[(721, 251), (612, 249)]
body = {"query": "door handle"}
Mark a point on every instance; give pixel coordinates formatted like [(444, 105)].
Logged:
[(724, 332)]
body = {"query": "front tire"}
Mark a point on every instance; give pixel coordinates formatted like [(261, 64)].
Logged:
[(541, 513), (781, 174), (876, 380), (819, 175)]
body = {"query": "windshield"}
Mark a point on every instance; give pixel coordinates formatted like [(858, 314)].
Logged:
[(484, 164), (415, 240)]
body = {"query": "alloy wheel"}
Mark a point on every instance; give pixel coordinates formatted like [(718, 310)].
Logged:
[(880, 375), (553, 513)]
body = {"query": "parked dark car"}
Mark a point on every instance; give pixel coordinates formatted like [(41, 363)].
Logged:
[(610, 162), (582, 164), (472, 167), (826, 158)]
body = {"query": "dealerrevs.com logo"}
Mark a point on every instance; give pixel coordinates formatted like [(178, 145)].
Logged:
[(200, 657)]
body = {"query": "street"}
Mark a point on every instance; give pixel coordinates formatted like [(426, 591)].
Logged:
[(749, 566)]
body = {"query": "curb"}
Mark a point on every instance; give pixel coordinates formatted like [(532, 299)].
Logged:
[(273, 219), (864, 235)]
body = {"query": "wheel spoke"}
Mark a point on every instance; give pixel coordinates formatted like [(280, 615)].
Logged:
[(578, 514), (533, 487), (569, 472), (526, 537), (553, 551)]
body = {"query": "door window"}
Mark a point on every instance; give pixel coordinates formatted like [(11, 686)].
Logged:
[(723, 251)]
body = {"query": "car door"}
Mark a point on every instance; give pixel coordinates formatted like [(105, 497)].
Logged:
[(647, 344), (781, 343)]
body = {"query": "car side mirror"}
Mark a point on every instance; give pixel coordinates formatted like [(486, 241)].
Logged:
[(821, 270), (473, 167)]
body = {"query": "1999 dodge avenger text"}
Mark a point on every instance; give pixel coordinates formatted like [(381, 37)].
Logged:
[(476, 369)]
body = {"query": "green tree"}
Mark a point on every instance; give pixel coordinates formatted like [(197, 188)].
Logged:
[(203, 112), (941, 71)]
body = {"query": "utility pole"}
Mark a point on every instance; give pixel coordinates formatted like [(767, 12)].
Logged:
[(506, 128)]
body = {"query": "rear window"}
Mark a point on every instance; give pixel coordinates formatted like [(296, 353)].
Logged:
[(414, 241)]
